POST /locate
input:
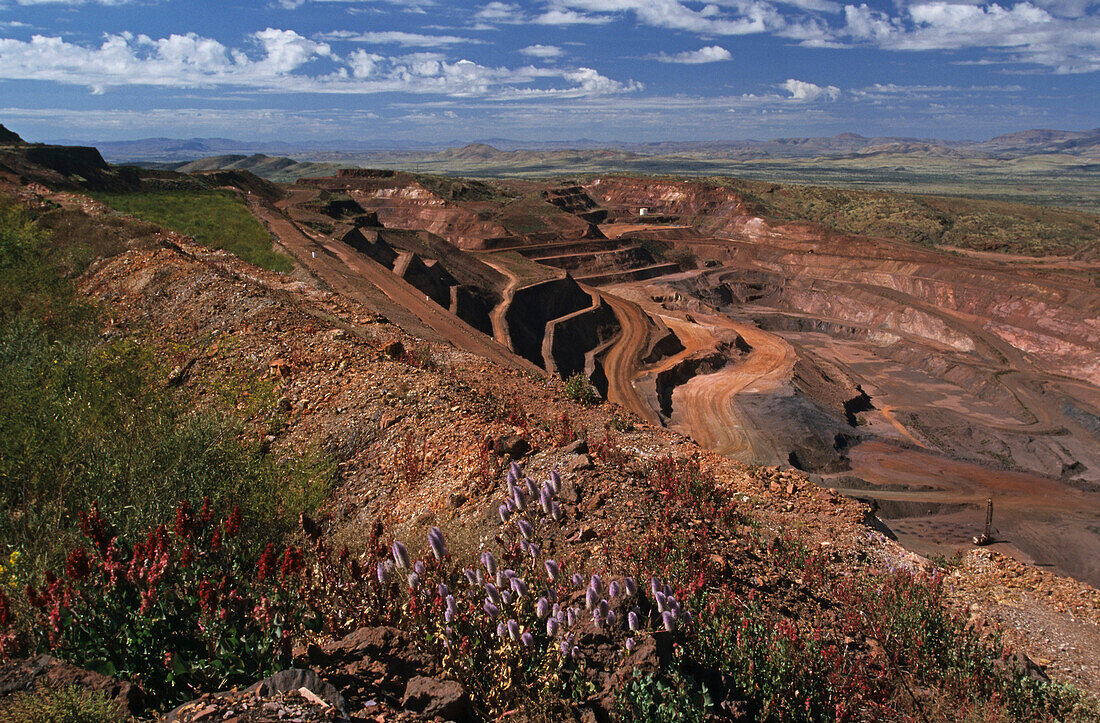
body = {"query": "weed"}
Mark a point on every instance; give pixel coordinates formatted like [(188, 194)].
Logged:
[(60, 705), (579, 389)]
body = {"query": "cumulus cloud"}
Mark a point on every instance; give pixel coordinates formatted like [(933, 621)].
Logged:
[(708, 54), (542, 51), (1053, 33), (282, 61), (803, 91)]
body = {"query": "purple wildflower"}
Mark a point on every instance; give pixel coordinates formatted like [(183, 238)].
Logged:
[(555, 480), (630, 586), (613, 590), (553, 571), (632, 620), (401, 555), (668, 620), (492, 592), (525, 528), (490, 609), (435, 541), (542, 608), (513, 629)]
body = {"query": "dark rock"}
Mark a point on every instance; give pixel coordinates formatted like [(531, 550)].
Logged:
[(22, 674), (513, 445), (432, 697), (570, 493), (577, 463), (458, 499), (394, 349), (286, 681), (578, 447)]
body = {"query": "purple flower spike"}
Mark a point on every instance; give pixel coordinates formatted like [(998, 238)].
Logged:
[(555, 480), (513, 630), (479, 577), (662, 602), (519, 586), (527, 639), (555, 512), (470, 576), (630, 586), (575, 652), (552, 627), (601, 608), (502, 629), (515, 470), (591, 597), (414, 580), (632, 621), (596, 584), (532, 487), (570, 618), (448, 616), (505, 513), (489, 562), (578, 581), (383, 573), (553, 571), (542, 608), (533, 550), (668, 620), (545, 501), (401, 556), (525, 528), (613, 590), (564, 645), (490, 609), (435, 540), (629, 644), (444, 591), (610, 618), (418, 566), (519, 499), (492, 592), (654, 586), (506, 597)]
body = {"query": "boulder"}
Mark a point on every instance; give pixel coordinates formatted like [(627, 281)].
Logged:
[(436, 698)]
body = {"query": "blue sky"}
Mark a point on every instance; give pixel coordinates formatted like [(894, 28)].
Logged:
[(628, 70)]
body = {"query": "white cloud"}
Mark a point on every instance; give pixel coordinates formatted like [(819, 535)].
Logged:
[(542, 51), (803, 91), (282, 61), (747, 16), (708, 54), (397, 37), (1053, 33)]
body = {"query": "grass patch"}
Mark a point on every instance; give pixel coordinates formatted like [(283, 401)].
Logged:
[(217, 219), (87, 421), (60, 705)]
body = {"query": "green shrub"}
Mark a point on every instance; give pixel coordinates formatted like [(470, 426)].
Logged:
[(215, 218), (579, 389), (60, 705)]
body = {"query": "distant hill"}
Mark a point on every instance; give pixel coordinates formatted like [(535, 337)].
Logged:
[(277, 169)]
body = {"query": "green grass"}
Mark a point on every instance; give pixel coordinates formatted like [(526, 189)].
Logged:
[(60, 705), (91, 421), (215, 218)]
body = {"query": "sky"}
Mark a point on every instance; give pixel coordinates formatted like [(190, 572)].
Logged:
[(545, 70)]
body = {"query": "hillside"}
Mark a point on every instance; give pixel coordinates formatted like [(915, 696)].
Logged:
[(387, 485)]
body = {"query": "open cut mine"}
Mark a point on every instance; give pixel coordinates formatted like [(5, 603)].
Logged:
[(643, 393)]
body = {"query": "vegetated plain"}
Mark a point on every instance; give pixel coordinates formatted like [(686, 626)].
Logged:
[(160, 541)]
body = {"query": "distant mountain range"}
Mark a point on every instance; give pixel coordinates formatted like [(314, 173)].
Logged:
[(1030, 142)]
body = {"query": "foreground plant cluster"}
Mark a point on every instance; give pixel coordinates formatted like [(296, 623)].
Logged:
[(178, 557)]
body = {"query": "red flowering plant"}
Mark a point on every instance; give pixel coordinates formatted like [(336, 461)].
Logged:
[(180, 611)]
